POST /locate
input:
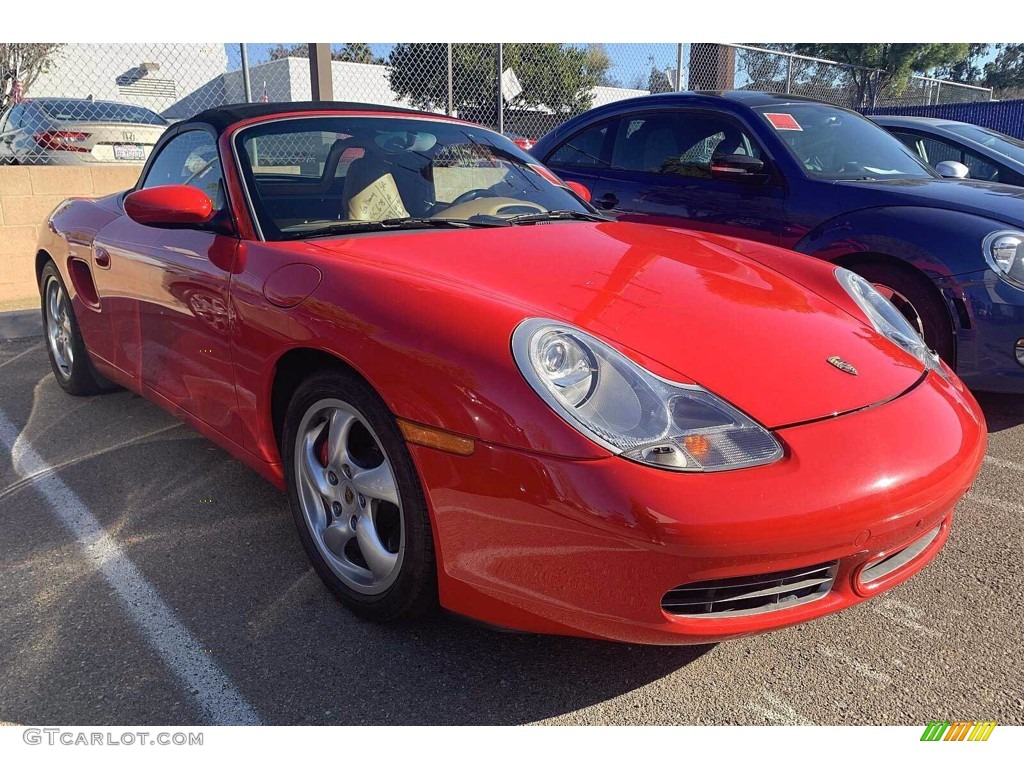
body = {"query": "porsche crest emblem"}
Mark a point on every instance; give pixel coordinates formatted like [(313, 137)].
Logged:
[(842, 365)]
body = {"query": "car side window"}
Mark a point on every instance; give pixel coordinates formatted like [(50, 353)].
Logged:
[(911, 141), (14, 117), (585, 149), (191, 159), (936, 151), (980, 168), (678, 143)]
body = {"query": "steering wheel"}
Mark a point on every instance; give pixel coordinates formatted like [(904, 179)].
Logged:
[(852, 167), (470, 194)]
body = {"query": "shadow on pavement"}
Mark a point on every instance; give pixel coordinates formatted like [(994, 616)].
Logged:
[(1001, 411), (218, 544)]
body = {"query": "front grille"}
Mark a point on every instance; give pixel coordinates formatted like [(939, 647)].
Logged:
[(897, 560), (745, 595)]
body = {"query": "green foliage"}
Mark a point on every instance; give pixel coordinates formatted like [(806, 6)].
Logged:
[(1005, 75), (359, 53), (967, 70), (882, 66), (560, 77)]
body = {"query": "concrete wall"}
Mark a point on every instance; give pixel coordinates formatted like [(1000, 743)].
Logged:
[(27, 195)]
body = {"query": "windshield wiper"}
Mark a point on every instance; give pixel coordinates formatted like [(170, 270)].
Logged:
[(533, 218), (384, 225)]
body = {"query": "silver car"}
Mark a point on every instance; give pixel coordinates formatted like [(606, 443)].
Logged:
[(54, 131)]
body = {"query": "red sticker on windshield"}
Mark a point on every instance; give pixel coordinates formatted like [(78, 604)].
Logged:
[(782, 121)]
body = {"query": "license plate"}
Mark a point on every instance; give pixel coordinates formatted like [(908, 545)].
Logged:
[(129, 152)]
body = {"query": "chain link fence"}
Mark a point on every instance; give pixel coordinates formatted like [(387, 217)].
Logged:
[(760, 69), (102, 103)]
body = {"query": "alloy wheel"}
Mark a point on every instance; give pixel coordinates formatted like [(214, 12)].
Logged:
[(58, 327), (349, 496)]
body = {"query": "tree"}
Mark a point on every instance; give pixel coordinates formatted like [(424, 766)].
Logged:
[(881, 67), (658, 81), (598, 60), (559, 77), (1005, 75), (21, 64), (967, 70), (359, 53)]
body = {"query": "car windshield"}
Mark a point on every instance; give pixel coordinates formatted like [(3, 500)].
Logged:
[(832, 143), (997, 142), (99, 112), (340, 174)]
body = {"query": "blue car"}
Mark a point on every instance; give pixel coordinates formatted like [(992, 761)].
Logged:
[(827, 182)]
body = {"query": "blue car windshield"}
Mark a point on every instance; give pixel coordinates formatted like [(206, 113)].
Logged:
[(997, 142), (833, 143)]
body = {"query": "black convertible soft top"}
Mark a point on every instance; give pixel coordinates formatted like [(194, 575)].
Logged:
[(221, 118)]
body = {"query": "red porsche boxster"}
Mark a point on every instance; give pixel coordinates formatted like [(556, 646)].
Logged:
[(479, 392)]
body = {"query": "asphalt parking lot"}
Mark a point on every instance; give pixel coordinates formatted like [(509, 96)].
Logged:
[(148, 578)]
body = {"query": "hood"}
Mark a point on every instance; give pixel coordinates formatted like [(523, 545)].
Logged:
[(693, 306), (982, 198)]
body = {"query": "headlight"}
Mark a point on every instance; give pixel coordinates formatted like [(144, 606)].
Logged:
[(632, 412), (886, 319), (1005, 254)]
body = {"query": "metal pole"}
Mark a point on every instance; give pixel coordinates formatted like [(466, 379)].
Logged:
[(245, 73), (938, 91), (789, 74), (679, 67), (320, 85), (501, 100), (451, 85)]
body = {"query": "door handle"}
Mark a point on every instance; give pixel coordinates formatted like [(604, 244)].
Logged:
[(102, 258), (607, 201)]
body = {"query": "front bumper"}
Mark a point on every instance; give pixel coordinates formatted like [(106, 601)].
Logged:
[(588, 548), (986, 357)]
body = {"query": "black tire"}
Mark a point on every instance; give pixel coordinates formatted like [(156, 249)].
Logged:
[(924, 301), (414, 590), (78, 377)]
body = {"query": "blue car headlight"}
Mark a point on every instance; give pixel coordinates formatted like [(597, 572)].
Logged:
[(632, 412), (1004, 252), (886, 319)]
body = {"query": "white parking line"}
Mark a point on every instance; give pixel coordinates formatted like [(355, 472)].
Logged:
[(778, 710), (24, 352), (1004, 464), (180, 650)]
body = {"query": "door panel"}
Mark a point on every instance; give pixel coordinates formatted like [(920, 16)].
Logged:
[(184, 324), (661, 174)]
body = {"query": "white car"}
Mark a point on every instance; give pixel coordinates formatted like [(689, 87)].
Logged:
[(55, 131)]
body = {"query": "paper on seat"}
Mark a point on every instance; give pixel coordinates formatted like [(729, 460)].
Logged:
[(380, 200)]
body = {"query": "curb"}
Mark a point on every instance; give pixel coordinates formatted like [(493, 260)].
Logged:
[(23, 324)]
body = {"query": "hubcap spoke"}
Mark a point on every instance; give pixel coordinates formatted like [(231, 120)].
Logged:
[(338, 430), (315, 473), (381, 561), (377, 483), (336, 536)]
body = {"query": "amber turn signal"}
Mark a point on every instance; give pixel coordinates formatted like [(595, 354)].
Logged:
[(435, 438)]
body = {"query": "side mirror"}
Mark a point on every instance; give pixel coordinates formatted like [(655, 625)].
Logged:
[(737, 168), (579, 189), (951, 169), (171, 206)]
